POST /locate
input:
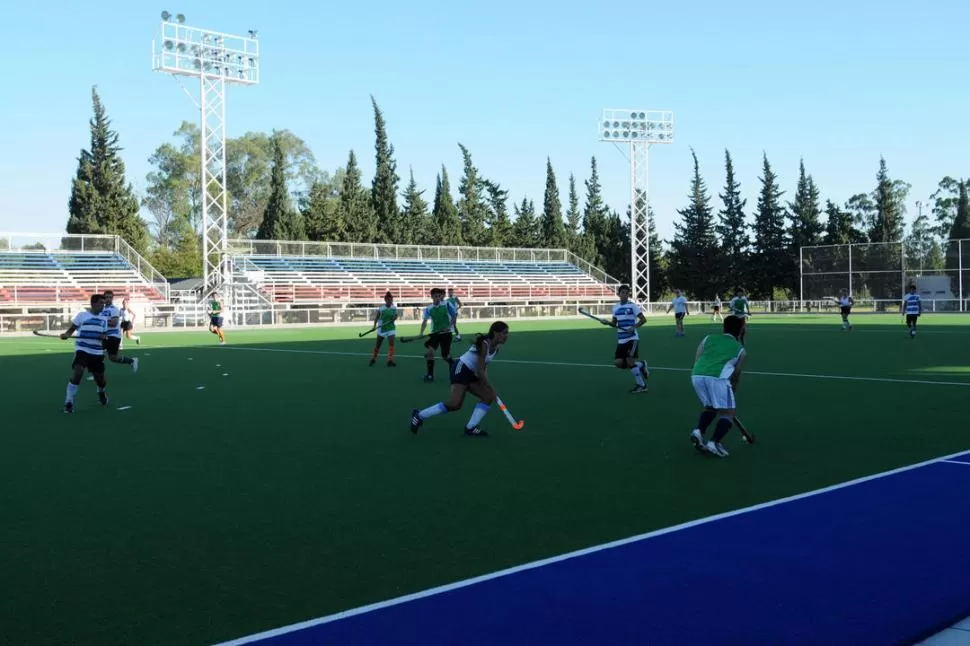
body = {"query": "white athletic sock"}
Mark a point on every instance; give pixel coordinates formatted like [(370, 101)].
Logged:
[(480, 409), (71, 391), (431, 411), (638, 375)]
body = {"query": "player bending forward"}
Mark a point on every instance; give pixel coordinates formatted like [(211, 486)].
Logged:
[(717, 369), (470, 375), (91, 330), (384, 321), (627, 317), (112, 342)]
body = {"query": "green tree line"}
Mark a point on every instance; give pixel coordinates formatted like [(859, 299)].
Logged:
[(277, 191)]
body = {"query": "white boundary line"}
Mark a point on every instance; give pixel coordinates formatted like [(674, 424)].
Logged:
[(966, 464), (335, 353), (570, 555)]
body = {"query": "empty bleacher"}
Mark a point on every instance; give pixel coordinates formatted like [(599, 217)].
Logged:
[(307, 279), (40, 277)]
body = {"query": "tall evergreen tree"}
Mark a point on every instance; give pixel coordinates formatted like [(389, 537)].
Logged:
[(322, 214), (694, 261), (384, 188), (840, 226), (525, 229), (771, 262), (732, 229), (960, 230), (355, 205), (418, 227), (471, 206), (552, 231), (923, 250), (659, 282), (945, 200), (806, 227), (280, 222), (499, 224), (595, 213), (574, 217), (444, 213), (101, 201), (888, 223)]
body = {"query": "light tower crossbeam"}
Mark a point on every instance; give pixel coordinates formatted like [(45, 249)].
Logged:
[(217, 59), (639, 128)]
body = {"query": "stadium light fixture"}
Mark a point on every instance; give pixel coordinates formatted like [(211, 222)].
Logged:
[(216, 59), (639, 129)]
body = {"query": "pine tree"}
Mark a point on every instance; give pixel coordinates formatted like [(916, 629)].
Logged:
[(839, 229), (889, 209), (101, 202), (574, 218), (444, 213), (733, 229), (417, 219), (280, 222), (525, 229), (694, 261), (552, 231), (595, 213), (770, 260), (806, 227), (384, 188), (471, 207), (322, 215), (960, 229), (355, 205), (499, 225)]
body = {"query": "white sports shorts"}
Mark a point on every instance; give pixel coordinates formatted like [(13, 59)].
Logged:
[(714, 392), (384, 335)]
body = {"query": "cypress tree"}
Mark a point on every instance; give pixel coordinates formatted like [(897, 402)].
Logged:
[(471, 207), (280, 222), (694, 261), (552, 231), (771, 261), (384, 188), (732, 228), (418, 227), (355, 205), (445, 213)]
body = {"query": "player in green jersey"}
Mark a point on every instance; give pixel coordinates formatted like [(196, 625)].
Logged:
[(454, 300), (715, 376), (215, 318), (442, 316), (739, 307), (384, 321)]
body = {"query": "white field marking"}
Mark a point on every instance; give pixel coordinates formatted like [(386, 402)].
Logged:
[(200, 387), (966, 464), (611, 367), (124, 407), (225, 374), (570, 555)]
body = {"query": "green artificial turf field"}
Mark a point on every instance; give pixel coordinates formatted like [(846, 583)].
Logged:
[(289, 487)]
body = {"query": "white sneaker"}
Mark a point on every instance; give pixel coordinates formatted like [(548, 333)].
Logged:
[(715, 448), (698, 439), (134, 364)]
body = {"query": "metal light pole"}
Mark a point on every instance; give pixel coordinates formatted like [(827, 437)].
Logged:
[(639, 128), (216, 59)]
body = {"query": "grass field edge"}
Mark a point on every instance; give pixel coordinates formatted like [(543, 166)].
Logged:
[(421, 594)]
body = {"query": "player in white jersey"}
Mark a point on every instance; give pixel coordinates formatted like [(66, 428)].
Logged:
[(716, 314), (88, 351), (112, 344), (845, 308), (679, 306), (912, 308), (128, 321), (627, 317), (469, 374)]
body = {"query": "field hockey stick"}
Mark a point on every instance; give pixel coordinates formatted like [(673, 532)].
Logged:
[(366, 332), (517, 425), (408, 339), (745, 433), (49, 335), (605, 322)]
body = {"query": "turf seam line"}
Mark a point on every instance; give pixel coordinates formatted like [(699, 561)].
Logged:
[(574, 554), (929, 382)]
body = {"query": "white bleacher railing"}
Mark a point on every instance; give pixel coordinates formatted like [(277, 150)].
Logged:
[(54, 244), (362, 251)]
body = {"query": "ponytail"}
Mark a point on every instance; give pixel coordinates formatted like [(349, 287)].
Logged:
[(494, 328)]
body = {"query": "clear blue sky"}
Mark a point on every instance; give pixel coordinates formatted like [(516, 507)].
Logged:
[(837, 82)]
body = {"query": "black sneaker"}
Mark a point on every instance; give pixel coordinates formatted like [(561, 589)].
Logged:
[(391, 364), (416, 421), (103, 397), (372, 362), (475, 432), (638, 389), (68, 407), (428, 378)]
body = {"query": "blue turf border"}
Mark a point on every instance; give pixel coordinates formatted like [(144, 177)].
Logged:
[(866, 505)]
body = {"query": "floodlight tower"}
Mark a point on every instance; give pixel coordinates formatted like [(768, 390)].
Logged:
[(639, 128), (217, 60)]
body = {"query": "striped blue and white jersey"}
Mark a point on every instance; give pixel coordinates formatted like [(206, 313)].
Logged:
[(90, 328), (626, 315), (109, 312), (912, 304)]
